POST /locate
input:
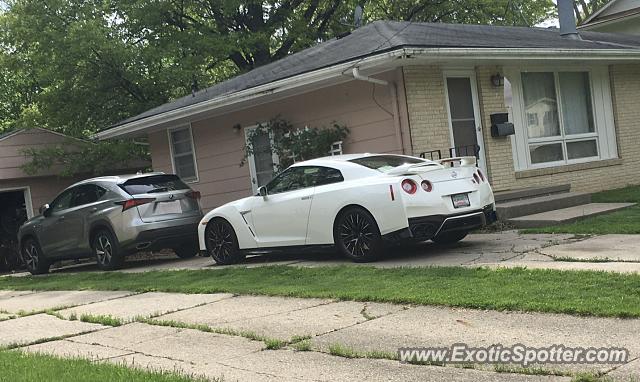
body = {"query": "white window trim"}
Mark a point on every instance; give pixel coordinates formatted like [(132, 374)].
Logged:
[(602, 108), (28, 201), (193, 152), (251, 159)]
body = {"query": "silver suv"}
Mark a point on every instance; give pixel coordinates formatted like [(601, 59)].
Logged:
[(111, 217)]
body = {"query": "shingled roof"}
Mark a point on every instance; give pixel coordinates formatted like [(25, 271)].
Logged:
[(383, 36)]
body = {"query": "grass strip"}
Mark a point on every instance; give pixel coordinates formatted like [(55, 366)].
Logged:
[(17, 366), (592, 293)]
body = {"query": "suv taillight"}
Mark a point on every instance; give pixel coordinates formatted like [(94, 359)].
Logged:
[(194, 195), (409, 186), (127, 204)]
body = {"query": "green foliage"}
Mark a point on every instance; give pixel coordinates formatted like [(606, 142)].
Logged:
[(19, 366), (78, 66), (290, 144), (87, 158)]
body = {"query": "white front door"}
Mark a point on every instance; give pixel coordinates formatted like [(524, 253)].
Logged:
[(262, 161), (464, 115)]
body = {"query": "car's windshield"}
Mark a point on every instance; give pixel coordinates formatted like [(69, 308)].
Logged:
[(385, 163), (153, 184)]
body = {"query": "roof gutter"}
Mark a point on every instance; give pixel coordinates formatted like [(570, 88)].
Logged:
[(340, 70)]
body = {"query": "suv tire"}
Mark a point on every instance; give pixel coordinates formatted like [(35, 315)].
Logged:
[(107, 251), (34, 259)]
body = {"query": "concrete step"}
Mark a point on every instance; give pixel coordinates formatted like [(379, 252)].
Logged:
[(530, 206), (531, 192), (566, 215)]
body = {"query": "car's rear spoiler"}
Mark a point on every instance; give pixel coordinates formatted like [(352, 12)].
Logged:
[(463, 161)]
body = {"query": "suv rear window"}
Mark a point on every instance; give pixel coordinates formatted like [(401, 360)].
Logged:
[(384, 163), (153, 183)]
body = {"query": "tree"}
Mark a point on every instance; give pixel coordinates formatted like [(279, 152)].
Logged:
[(78, 66), (585, 8)]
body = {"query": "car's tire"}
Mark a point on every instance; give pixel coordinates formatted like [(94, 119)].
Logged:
[(186, 250), (33, 257), (450, 237), (357, 236), (107, 251), (222, 242)]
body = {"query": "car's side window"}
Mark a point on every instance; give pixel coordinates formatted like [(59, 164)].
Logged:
[(292, 179), (63, 201), (87, 194), (328, 175)]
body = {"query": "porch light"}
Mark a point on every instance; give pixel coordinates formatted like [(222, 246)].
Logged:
[(497, 80)]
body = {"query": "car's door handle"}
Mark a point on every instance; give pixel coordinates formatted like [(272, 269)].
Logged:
[(94, 209), (306, 197)]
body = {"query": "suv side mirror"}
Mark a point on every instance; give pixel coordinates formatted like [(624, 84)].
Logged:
[(43, 209), (262, 191)]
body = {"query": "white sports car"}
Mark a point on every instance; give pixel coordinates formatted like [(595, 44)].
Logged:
[(356, 203)]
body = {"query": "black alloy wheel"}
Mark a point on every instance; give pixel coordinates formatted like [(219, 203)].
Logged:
[(222, 243), (357, 235)]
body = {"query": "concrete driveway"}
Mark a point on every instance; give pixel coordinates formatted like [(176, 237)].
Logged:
[(616, 253)]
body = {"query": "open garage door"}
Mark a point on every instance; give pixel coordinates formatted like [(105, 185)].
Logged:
[(14, 211)]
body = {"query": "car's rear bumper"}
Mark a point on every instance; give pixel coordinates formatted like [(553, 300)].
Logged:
[(161, 238), (427, 227)]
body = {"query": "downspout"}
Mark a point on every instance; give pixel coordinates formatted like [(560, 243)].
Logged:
[(394, 100)]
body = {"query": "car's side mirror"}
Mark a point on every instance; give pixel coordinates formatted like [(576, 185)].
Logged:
[(262, 191), (43, 209)]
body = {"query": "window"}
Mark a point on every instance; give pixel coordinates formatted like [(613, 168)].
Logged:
[(153, 183), (293, 178), (327, 175), (87, 194), (183, 154), (385, 163), (63, 201), (559, 116)]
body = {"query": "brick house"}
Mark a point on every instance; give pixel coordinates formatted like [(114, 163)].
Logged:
[(421, 88)]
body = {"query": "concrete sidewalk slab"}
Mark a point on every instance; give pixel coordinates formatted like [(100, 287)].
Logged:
[(241, 308), (611, 247), (311, 366), (26, 330), (315, 320), (7, 294), (35, 302), (628, 372), (442, 327), (68, 349), (213, 371), (185, 345), (144, 305)]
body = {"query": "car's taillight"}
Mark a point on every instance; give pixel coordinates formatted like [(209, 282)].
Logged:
[(409, 186), (481, 175), (426, 185), (127, 204), (194, 195)]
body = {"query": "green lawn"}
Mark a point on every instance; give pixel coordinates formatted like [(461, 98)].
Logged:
[(573, 292), (625, 221), (22, 367)]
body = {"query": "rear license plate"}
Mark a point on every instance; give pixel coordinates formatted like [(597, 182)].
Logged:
[(460, 200), (163, 208)]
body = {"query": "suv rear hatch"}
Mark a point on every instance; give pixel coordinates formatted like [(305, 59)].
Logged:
[(169, 197)]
